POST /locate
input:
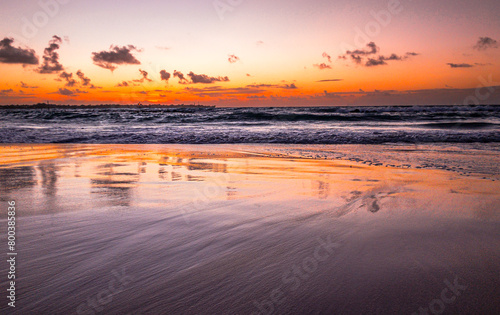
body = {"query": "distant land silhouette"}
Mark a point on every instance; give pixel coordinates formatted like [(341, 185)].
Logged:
[(47, 105)]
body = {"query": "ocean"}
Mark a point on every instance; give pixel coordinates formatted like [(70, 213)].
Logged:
[(289, 125)]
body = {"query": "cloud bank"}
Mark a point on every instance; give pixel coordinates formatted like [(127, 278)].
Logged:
[(16, 55), (51, 62), (115, 56)]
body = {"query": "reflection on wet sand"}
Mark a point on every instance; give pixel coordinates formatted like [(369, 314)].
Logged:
[(221, 230), (15, 178), (114, 185)]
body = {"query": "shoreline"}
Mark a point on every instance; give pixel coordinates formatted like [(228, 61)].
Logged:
[(226, 229), (439, 156)]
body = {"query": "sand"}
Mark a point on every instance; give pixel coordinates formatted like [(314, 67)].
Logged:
[(251, 229)]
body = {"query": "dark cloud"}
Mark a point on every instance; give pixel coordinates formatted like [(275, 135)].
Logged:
[(392, 57), (70, 82), (322, 66), (381, 60), (327, 56), (66, 92), (165, 76), (330, 80), (372, 49), (289, 86), (233, 58), (83, 78), (256, 97), (122, 84), (460, 65), (356, 59), (217, 91), (6, 91), (484, 43), (144, 76), (51, 62), (203, 78), (178, 74), (358, 56), (262, 85), (11, 54), (375, 62), (26, 86), (115, 56)]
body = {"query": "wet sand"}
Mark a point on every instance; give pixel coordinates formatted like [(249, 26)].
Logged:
[(235, 229)]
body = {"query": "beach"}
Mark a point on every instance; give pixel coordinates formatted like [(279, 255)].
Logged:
[(253, 229)]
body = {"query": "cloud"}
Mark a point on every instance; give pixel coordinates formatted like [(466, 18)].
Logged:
[(322, 66), (259, 42), (381, 60), (11, 54), (163, 47), (203, 78), (330, 80), (115, 56), (144, 76), (460, 65), (164, 75), (70, 82), (375, 62), (66, 92), (26, 86), (289, 86), (178, 74), (359, 55), (262, 85), (217, 91), (233, 58), (51, 57), (122, 84), (372, 49), (265, 86), (327, 56), (356, 59), (484, 43), (85, 80), (6, 91)]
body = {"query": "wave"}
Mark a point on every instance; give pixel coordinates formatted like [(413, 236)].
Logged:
[(322, 125)]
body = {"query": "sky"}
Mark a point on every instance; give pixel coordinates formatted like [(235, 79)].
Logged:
[(250, 52)]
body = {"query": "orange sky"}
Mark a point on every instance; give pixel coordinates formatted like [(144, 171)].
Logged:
[(242, 53)]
